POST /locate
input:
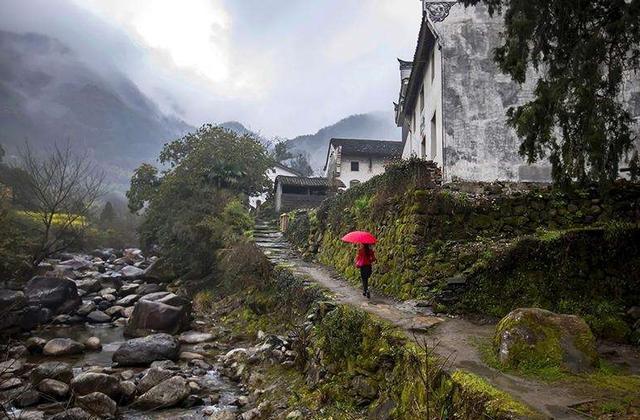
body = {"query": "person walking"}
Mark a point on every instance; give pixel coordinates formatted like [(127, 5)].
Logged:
[(364, 261)]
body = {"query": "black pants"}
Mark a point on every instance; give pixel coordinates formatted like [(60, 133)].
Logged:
[(365, 273)]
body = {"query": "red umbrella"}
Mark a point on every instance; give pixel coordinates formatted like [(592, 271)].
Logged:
[(359, 237)]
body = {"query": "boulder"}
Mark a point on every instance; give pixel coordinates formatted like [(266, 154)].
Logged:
[(27, 398), (129, 289), (11, 366), (110, 281), (195, 337), (10, 383), (77, 263), (543, 338), (59, 371), (88, 382), (150, 317), (56, 389), (98, 404), (58, 295), (153, 297), (12, 299), (127, 391), (62, 347), (75, 413), (145, 350), (98, 317), (159, 271), (130, 272), (152, 378), (166, 394)]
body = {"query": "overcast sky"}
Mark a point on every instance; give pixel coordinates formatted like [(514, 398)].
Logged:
[(282, 67)]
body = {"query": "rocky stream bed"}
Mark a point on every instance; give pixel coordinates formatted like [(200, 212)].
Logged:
[(102, 336)]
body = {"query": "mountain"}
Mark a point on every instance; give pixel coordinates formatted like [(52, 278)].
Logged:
[(378, 125), (47, 95)]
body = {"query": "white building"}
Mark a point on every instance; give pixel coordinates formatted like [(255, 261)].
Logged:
[(453, 98), (272, 174), (352, 161)]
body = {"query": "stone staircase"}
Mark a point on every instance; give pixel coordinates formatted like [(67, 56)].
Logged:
[(271, 241)]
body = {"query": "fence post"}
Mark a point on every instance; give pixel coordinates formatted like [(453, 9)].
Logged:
[(284, 222)]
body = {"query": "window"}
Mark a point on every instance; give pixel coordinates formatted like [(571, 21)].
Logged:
[(355, 166), (434, 137), (353, 183)]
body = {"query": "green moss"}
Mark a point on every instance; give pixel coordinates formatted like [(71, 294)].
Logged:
[(497, 403)]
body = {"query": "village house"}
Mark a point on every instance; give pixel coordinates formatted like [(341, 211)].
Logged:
[(296, 192), (272, 173), (453, 98), (352, 161)]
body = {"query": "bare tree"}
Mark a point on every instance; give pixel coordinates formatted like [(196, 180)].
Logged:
[(62, 188)]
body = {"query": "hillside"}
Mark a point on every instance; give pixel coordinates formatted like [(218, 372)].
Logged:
[(47, 95), (377, 125)]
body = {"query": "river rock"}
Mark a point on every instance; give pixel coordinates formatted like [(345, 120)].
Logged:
[(195, 337), (86, 308), (152, 378), (35, 344), (127, 392), (88, 382), (159, 271), (58, 295), (149, 317), (93, 344), (89, 285), (27, 398), (10, 383), (59, 371), (62, 347), (56, 389), (12, 299), (32, 415), (225, 414), (188, 355), (129, 289), (155, 296), (75, 413), (146, 288), (166, 394), (131, 273), (145, 350), (110, 281), (532, 335), (128, 300), (98, 404), (98, 317), (175, 300)]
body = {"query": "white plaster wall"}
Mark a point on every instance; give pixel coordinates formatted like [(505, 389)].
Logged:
[(364, 174), (433, 105), (272, 174)]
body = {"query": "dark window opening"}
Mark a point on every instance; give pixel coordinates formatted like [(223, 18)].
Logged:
[(355, 166), (318, 190), (294, 189)]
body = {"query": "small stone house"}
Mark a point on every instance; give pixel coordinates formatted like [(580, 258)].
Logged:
[(352, 161), (272, 173), (296, 192)]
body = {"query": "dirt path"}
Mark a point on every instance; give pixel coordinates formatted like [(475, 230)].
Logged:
[(455, 338)]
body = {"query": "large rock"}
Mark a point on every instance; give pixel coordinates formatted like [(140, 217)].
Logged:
[(131, 273), (150, 317), (152, 378), (58, 295), (532, 336), (62, 347), (166, 394), (53, 388), (98, 317), (59, 371), (77, 263), (88, 382), (147, 288), (98, 404), (159, 271), (89, 285), (75, 413), (145, 350)]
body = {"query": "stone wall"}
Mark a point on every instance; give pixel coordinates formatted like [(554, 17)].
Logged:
[(432, 239)]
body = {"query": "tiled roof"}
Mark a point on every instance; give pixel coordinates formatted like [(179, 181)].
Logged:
[(303, 181), (286, 168)]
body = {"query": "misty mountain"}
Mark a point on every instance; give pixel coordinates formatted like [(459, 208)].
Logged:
[(378, 125), (47, 95)]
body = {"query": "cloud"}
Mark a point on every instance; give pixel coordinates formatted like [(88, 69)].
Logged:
[(279, 66)]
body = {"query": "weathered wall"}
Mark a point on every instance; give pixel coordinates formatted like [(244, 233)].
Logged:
[(478, 144)]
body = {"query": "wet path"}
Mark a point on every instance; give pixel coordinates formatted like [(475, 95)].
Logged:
[(453, 338)]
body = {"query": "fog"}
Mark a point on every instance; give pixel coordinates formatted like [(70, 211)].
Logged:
[(280, 67)]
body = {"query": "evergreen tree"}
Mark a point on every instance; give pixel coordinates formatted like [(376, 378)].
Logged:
[(583, 50), (108, 215)]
